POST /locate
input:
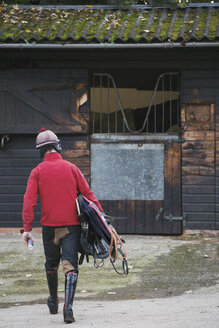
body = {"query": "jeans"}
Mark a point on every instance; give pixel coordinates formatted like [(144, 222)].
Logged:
[(66, 249)]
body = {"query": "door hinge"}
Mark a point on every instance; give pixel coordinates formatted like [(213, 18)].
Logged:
[(169, 217)]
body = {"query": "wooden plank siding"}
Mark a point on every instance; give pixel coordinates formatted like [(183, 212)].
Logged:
[(30, 99), (217, 158), (199, 148), (134, 216), (172, 189), (54, 98), (139, 217), (21, 158)]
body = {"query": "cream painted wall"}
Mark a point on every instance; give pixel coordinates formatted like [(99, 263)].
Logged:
[(130, 98)]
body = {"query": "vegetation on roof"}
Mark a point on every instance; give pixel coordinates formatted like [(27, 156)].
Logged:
[(88, 25), (172, 3)]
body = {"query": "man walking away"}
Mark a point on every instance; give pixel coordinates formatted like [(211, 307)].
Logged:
[(57, 182)]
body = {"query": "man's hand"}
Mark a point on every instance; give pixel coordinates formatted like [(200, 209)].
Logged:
[(25, 236)]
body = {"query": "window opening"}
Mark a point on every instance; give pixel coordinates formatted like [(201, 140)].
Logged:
[(132, 110)]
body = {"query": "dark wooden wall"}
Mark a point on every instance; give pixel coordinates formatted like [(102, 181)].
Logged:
[(217, 148), (30, 99), (16, 162), (172, 189), (199, 159), (199, 70), (53, 98)]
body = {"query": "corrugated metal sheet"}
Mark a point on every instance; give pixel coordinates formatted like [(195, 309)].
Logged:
[(153, 25)]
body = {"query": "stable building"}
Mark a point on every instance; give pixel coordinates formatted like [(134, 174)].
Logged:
[(133, 97)]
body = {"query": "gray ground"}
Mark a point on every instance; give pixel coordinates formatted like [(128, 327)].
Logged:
[(173, 282)]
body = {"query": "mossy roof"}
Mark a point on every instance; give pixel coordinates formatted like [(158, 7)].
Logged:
[(91, 25)]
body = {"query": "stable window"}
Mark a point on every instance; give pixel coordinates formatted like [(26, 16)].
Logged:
[(135, 101)]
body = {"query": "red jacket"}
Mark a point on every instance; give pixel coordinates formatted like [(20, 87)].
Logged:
[(57, 182)]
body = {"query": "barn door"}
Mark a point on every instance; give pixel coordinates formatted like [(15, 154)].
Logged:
[(54, 98), (138, 182), (30, 99)]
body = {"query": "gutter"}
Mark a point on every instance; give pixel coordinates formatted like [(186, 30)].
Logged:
[(113, 7), (106, 46)]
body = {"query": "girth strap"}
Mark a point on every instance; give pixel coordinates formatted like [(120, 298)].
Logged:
[(116, 247)]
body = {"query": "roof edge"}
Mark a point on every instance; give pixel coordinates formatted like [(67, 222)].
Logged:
[(99, 7), (106, 46)]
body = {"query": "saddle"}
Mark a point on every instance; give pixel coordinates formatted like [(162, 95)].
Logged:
[(99, 238)]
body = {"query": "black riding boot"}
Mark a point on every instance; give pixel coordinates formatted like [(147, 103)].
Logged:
[(70, 287), (52, 301)]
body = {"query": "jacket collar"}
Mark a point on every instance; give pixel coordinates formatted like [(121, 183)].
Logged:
[(52, 156)]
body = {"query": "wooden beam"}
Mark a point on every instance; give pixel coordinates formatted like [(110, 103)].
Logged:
[(39, 106), (198, 135), (34, 129)]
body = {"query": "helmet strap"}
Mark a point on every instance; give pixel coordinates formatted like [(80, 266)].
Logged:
[(56, 146)]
